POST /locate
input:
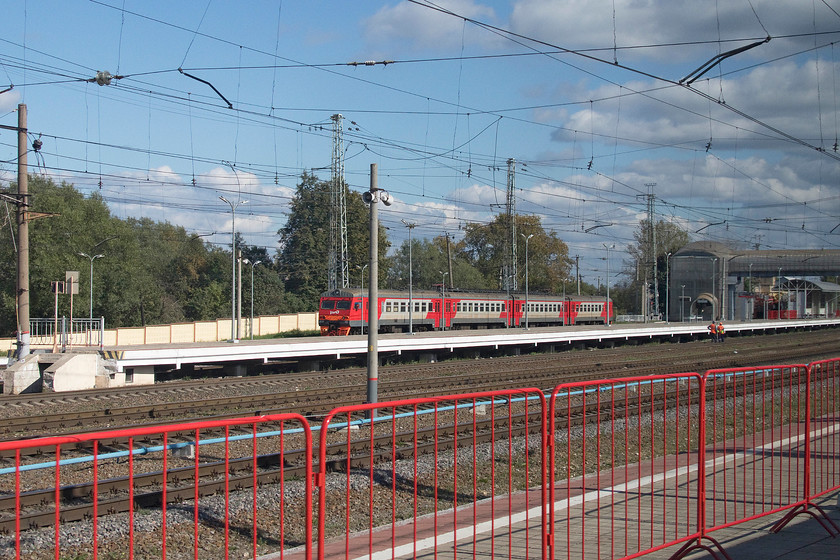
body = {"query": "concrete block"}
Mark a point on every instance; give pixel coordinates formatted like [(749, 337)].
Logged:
[(23, 377), (73, 372), (184, 452)]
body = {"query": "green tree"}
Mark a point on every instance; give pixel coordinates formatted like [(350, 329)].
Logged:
[(670, 238), (149, 272), (303, 256), (485, 245), (429, 261)]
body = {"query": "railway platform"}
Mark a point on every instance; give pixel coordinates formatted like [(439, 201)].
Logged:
[(117, 366)]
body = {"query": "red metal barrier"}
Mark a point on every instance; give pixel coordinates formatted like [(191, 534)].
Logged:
[(202, 524), (623, 466), (821, 472), (610, 469), (757, 459), (756, 436), (455, 472), (824, 419)]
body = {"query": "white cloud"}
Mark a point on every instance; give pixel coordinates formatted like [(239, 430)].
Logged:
[(417, 27), (578, 24)]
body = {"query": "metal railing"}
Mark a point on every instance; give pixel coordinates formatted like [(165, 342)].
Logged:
[(64, 333)]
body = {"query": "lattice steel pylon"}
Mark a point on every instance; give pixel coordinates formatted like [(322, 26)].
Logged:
[(510, 210), (339, 266)]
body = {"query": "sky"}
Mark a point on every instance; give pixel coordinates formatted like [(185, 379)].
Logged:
[(601, 105)]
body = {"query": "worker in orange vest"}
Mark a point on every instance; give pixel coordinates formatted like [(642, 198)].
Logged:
[(713, 332), (721, 334)]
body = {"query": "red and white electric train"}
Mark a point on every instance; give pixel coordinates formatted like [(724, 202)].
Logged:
[(345, 311)]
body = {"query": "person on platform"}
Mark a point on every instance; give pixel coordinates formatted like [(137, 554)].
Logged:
[(721, 333), (713, 331)]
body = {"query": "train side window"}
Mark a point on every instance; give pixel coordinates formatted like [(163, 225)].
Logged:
[(402, 307), (357, 305)]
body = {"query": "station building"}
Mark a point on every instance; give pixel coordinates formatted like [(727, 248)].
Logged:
[(712, 281)]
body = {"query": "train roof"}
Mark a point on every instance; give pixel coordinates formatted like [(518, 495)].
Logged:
[(458, 294)]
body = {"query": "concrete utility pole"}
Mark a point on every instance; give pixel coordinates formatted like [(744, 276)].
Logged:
[(651, 200), (23, 238), (449, 260), (410, 227), (21, 201), (373, 197)]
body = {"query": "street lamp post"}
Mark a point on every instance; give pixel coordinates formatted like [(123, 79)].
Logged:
[(668, 288), (714, 295), (780, 293), (443, 301), (233, 207), (751, 298), (253, 264), (528, 238), (363, 295), (607, 303), (92, 258), (410, 227)]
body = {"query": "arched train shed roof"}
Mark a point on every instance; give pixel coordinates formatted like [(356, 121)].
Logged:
[(805, 262)]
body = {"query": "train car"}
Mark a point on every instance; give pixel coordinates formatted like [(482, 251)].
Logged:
[(541, 310), (589, 310), (343, 312)]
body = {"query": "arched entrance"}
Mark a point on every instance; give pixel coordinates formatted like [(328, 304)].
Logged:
[(706, 307)]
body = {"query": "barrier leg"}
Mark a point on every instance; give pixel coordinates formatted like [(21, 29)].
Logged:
[(698, 544), (827, 523)]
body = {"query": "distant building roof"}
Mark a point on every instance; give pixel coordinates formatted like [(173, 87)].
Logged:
[(822, 262)]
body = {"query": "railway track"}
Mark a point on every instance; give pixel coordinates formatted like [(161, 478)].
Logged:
[(314, 395)]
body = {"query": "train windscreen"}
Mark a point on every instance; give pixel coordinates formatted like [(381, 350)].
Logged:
[(327, 304)]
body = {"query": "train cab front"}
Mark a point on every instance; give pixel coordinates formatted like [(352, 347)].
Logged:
[(334, 313)]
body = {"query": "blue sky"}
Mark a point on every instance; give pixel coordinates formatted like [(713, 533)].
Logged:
[(745, 156)]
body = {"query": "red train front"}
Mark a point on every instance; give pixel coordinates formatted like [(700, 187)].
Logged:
[(339, 311)]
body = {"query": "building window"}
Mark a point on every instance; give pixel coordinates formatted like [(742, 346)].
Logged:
[(129, 375)]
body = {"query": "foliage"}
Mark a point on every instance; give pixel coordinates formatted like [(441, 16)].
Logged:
[(485, 247), (430, 266), (303, 257), (670, 238), (477, 261), (149, 272)]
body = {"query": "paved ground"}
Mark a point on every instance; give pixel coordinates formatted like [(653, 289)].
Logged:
[(619, 512)]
